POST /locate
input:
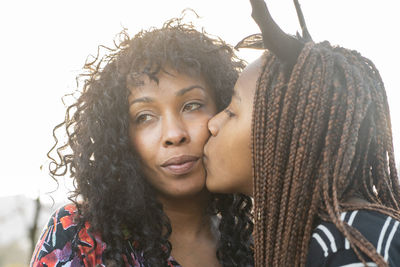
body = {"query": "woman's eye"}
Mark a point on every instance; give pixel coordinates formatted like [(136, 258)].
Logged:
[(143, 118), (229, 113), (192, 106)]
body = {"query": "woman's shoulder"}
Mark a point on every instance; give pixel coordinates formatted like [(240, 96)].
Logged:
[(66, 241), (60, 237), (328, 246), (61, 227), (63, 216)]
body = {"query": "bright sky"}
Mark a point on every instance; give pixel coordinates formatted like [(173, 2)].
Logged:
[(44, 44)]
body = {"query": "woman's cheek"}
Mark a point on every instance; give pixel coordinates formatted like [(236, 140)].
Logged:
[(144, 140)]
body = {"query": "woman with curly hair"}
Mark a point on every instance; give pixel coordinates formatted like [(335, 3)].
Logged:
[(316, 153), (135, 145)]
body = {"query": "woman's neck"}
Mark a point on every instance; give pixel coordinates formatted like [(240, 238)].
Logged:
[(355, 200), (188, 216), (194, 238)]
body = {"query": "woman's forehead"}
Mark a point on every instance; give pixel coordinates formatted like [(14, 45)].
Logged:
[(168, 81), (142, 77), (246, 84)]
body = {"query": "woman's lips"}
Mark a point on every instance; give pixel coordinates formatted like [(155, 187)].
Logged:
[(180, 165)]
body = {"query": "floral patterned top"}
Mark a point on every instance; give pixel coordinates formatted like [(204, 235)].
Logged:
[(54, 248)]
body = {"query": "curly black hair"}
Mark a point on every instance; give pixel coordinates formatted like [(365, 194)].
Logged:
[(110, 191)]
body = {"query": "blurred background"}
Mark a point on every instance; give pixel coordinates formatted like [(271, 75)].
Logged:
[(44, 45)]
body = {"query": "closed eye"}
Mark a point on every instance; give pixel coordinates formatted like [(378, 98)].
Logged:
[(229, 113)]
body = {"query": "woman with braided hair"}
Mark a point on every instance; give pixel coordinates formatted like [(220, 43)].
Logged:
[(308, 135), (134, 150)]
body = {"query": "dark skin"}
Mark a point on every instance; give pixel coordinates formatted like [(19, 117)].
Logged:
[(168, 130), (194, 239), (231, 135)]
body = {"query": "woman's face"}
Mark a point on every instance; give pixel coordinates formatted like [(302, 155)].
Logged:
[(228, 151), (169, 129)]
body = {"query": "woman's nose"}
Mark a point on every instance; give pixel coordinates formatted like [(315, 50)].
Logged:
[(174, 132), (215, 123)]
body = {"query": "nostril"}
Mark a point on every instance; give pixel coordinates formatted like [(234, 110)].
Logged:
[(176, 142)]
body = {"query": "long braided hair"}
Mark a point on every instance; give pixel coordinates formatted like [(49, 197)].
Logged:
[(321, 134)]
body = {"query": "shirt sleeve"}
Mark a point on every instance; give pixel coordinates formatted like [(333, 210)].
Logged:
[(317, 254), (54, 247), (342, 257)]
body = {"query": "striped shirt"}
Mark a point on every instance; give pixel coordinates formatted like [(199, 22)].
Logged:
[(328, 247)]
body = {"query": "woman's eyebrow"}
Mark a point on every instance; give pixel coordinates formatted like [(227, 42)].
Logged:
[(179, 93), (142, 100), (187, 89)]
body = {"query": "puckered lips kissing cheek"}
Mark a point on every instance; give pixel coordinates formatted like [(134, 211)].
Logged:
[(180, 165)]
